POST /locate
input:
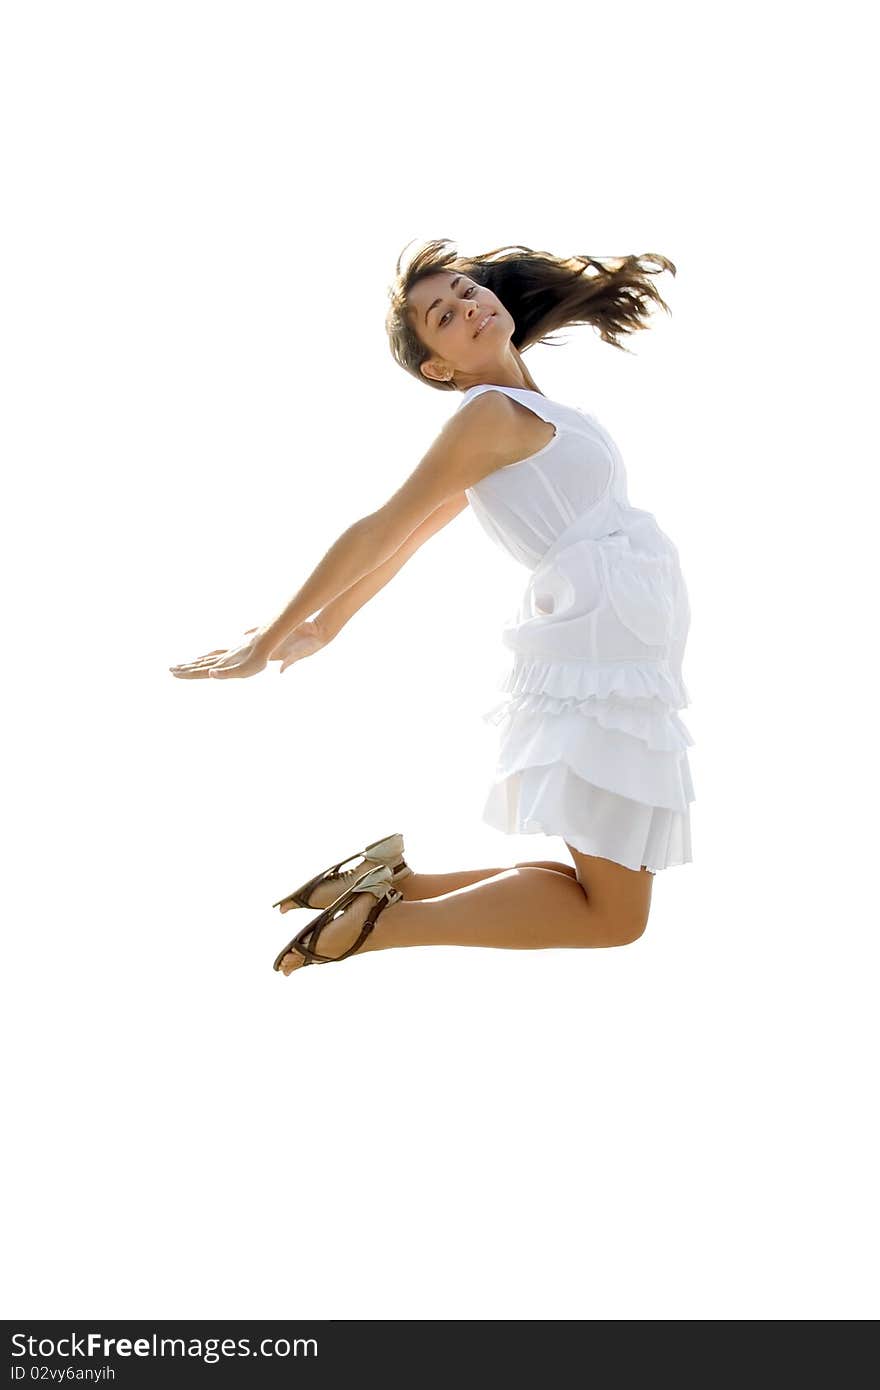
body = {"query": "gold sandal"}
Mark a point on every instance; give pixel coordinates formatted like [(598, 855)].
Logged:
[(376, 881), (387, 851)]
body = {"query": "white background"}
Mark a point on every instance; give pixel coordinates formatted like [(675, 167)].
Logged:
[(204, 207)]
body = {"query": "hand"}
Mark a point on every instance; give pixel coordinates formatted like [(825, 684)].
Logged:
[(303, 641), (247, 659)]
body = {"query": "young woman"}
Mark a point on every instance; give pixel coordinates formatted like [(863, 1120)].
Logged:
[(592, 749)]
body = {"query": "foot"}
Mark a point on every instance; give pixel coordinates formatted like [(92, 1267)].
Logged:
[(338, 935), (332, 888)]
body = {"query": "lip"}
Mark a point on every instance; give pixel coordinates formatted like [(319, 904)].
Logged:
[(486, 324)]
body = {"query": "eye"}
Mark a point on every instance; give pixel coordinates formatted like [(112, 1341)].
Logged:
[(470, 290)]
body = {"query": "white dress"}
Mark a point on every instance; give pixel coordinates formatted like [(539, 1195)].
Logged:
[(592, 748)]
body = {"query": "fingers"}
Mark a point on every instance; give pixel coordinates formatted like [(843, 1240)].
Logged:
[(201, 667), (208, 659), (222, 661), (196, 672)]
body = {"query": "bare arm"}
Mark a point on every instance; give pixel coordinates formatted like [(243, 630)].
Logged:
[(352, 556), (337, 613), (471, 444)]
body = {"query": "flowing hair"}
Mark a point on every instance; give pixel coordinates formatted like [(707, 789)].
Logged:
[(541, 292)]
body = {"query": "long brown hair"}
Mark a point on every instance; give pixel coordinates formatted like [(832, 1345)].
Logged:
[(541, 292)]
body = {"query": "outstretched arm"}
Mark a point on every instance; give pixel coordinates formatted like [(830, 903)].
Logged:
[(472, 443), (337, 613), (351, 557)]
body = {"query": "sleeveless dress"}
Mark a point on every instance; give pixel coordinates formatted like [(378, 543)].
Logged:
[(591, 747)]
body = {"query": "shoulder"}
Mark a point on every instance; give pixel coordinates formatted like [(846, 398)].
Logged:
[(500, 429), (477, 435), (485, 426), (484, 409)]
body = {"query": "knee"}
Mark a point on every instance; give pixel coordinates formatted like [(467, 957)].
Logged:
[(627, 934), (616, 931)]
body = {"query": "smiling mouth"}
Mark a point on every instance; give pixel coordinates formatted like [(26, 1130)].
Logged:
[(487, 319)]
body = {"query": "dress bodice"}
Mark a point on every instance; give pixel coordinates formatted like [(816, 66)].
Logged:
[(526, 506)]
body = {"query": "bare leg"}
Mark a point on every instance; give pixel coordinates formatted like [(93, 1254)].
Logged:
[(518, 909), (524, 908), (417, 887), (420, 886)]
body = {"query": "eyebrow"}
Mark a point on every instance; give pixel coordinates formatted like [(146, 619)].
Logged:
[(439, 301)]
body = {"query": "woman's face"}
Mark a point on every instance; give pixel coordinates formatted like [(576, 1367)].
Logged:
[(448, 310)]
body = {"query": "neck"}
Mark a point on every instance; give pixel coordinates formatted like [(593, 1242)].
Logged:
[(515, 374)]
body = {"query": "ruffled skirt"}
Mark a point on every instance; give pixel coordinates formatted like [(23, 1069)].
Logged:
[(596, 754)]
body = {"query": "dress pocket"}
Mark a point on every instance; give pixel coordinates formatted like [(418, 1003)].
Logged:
[(568, 586), (557, 614), (641, 589), (549, 592)]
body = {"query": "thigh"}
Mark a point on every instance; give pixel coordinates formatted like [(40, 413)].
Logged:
[(619, 894)]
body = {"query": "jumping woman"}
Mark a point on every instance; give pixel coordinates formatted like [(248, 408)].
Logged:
[(592, 749)]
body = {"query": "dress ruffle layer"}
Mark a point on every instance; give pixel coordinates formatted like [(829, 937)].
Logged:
[(581, 680), (647, 719), (596, 754), (554, 800), (610, 758)]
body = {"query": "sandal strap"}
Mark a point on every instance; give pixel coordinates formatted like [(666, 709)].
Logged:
[(401, 869), (300, 944), (370, 921), (306, 940), (302, 894)]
